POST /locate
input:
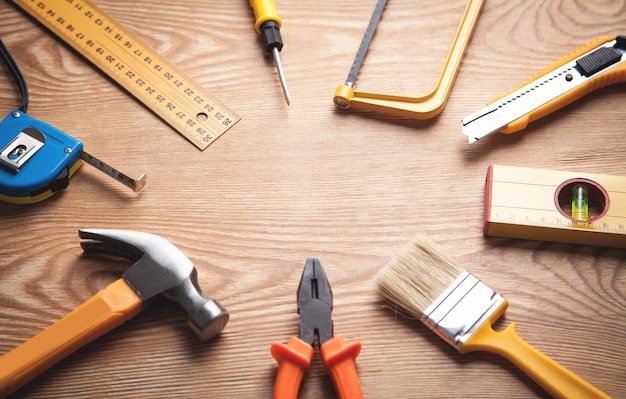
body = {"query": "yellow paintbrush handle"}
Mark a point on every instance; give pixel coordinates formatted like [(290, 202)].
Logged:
[(106, 310), (550, 375)]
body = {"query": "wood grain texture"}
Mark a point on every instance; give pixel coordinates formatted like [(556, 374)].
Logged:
[(309, 180)]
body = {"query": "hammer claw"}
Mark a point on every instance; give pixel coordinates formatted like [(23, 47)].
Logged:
[(122, 251), (124, 243)]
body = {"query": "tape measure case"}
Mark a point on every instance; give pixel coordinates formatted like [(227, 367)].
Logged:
[(36, 159)]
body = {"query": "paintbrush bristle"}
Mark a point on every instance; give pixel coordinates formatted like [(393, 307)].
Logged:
[(417, 276)]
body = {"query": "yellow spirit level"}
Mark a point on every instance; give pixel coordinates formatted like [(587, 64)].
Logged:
[(540, 204)]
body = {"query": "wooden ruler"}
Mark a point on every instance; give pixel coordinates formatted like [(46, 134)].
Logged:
[(137, 67)]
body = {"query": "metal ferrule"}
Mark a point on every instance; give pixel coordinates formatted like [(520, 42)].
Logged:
[(463, 307)]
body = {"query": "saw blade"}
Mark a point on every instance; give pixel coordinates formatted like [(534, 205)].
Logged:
[(365, 42)]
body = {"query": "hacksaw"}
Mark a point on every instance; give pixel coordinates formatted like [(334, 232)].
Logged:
[(133, 64), (424, 107)]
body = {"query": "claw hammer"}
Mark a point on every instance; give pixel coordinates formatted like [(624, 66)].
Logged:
[(160, 269)]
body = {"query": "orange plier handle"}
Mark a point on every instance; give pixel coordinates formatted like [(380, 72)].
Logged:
[(338, 359)]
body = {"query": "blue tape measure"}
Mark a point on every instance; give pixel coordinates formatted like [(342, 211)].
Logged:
[(36, 159)]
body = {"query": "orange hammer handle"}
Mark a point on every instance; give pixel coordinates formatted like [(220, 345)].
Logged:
[(106, 310)]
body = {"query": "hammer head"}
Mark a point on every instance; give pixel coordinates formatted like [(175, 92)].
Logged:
[(160, 269)]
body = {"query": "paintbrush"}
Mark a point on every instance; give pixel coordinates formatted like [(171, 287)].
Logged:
[(425, 282)]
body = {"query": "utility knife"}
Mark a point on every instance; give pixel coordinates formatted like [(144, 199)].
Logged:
[(600, 63)]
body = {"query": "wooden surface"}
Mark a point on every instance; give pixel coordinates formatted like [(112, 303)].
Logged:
[(286, 183)]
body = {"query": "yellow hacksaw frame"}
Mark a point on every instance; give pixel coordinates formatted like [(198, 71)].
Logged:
[(424, 107)]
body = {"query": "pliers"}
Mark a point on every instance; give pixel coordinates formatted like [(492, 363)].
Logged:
[(315, 305)]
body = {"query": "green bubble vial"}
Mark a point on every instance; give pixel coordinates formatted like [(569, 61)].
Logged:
[(580, 202)]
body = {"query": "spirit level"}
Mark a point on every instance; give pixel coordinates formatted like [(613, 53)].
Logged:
[(536, 204)]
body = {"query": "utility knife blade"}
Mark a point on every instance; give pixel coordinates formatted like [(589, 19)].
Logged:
[(597, 64)]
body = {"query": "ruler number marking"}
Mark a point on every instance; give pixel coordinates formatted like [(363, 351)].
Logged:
[(158, 71), (77, 25), (117, 38), (608, 224)]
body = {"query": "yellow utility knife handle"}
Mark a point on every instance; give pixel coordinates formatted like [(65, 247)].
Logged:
[(613, 76), (557, 380), (106, 310), (264, 10)]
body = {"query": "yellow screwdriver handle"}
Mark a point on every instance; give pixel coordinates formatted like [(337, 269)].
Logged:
[(557, 380), (264, 10), (109, 308)]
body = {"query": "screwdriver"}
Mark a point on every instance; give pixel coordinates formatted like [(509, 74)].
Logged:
[(267, 24)]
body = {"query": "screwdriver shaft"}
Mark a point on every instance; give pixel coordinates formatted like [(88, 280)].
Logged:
[(267, 24), (281, 75)]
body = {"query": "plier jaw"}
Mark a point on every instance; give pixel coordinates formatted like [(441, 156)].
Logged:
[(315, 304)]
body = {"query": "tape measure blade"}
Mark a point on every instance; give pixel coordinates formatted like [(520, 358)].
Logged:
[(137, 67)]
